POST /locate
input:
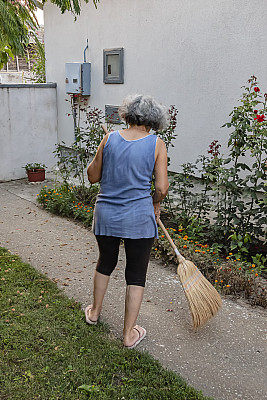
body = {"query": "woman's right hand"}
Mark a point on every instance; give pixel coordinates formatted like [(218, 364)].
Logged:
[(157, 210)]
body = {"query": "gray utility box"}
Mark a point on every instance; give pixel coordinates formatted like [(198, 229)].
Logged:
[(78, 78)]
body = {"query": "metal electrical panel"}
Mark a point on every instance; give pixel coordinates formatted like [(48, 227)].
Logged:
[(78, 78), (112, 114), (113, 65)]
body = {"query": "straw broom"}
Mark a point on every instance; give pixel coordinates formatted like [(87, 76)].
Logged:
[(203, 299)]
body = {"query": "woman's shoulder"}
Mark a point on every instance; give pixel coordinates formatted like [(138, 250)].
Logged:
[(107, 137), (161, 149), (160, 143)]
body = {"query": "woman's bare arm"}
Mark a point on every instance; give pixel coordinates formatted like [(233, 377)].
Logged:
[(160, 172), (94, 170)]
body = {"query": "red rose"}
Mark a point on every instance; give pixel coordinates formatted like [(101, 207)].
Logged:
[(260, 118), (256, 89), (255, 111)]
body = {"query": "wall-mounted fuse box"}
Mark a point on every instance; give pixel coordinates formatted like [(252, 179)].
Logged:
[(78, 78)]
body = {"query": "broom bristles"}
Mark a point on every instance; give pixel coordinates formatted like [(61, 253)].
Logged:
[(204, 300)]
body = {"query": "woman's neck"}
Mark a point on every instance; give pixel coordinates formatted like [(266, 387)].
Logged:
[(139, 128)]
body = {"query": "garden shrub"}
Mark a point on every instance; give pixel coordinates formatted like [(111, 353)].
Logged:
[(231, 207), (66, 200)]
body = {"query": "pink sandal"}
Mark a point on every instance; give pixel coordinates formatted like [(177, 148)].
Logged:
[(141, 337), (88, 320)]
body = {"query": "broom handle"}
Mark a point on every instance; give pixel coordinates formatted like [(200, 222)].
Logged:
[(104, 128), (179, 255), (159, 222)]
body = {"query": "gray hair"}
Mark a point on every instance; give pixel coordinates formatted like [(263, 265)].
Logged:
[(139, 109)]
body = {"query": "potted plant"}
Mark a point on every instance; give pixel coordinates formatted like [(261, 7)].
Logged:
[(35, 172)]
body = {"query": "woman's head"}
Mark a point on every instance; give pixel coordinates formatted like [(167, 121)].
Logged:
[(143, 110)]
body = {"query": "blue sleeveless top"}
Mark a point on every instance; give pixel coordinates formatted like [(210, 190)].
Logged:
[(124, 205)]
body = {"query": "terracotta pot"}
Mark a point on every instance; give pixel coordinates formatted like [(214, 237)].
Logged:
[(37, 175)]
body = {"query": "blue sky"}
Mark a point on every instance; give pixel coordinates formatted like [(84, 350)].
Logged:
[(40, 16)]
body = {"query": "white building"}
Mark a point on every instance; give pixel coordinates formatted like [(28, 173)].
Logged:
[(193, 54)]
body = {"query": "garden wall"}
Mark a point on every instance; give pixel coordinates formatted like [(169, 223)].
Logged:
[(28, 133), (195, 55)]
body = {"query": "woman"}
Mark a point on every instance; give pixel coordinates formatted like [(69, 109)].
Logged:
[(124, 164)]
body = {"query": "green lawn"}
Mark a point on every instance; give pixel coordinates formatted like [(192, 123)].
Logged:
[(49, 352)]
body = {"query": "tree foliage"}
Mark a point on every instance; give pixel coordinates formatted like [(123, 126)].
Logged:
[(17, 20), (74, 6), (38, 61)]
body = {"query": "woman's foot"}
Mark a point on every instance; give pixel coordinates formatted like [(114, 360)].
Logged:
[(91, 315), (134, 337)]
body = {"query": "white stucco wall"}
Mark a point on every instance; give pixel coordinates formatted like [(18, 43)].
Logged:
[(28, 130), (194, 54)]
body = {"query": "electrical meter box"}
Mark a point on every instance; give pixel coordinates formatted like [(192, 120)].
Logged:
[(78, 78)]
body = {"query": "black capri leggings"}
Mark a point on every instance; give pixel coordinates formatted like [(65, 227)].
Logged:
[(137, 257)]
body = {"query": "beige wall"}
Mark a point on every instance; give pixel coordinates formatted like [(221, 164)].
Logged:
[(194, 54)]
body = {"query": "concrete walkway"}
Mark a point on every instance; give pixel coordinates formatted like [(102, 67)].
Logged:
[(225, 359)]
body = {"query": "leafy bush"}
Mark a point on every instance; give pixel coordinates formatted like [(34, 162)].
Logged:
[(66, 201), (231, 207), (73, 160), (230, 276)]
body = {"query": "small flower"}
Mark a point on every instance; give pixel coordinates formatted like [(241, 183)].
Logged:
[(239, 268), (253, 265), (227, 258), (230, 254), (256, 274), (256, 89), (228, 285), (216, 281), (255, 111), (185, 246), (222, 280), (260, 118)]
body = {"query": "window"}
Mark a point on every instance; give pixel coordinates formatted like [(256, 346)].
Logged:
[(113, 66)]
